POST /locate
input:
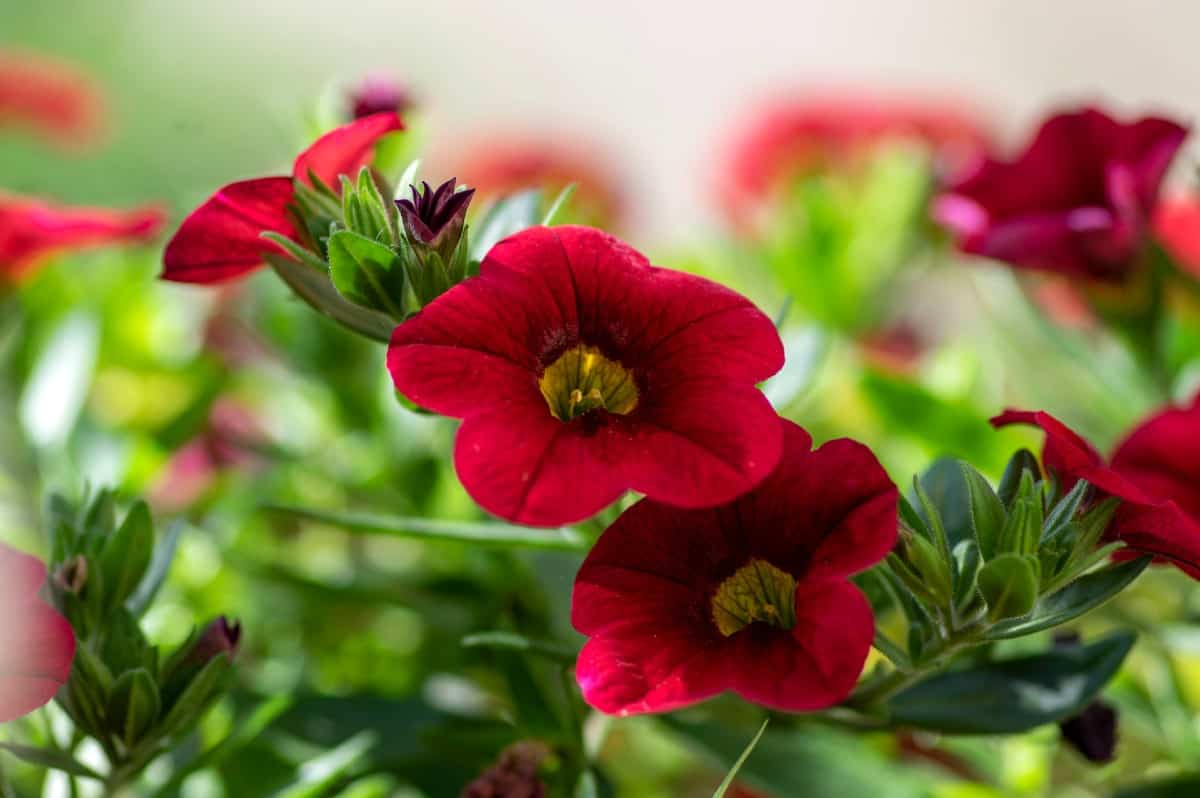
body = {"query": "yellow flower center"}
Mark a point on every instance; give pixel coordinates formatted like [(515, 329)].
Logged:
[(756, 592), (583, 380)]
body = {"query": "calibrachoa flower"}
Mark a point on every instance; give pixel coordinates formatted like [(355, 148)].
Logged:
[(51, 98), (1154, 471), (31, 231), (37, 644), (377, 94), (581, 371), (1177, 228), (752, 596), (503, 165), (794, 135), (221, 240), (1078, 201)]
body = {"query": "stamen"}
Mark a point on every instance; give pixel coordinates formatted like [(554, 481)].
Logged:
[(758, 592), (583, 380)]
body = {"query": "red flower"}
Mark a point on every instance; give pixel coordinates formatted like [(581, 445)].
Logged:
[(1155, 472), (33, 230), (797, 134), (751, 596), (228, 441), (36, 643), (221, 240), (51, 98), (1177, 227), (378, 94), (581, 371), (503, 165), (1078, 201)]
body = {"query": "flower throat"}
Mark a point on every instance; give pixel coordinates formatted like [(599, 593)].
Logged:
[(583, 380)]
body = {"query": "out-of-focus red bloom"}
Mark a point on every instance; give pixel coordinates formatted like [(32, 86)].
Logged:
[(1078, 201), (501, 165), (50, 98), (221, 240), (581, 371), (378, 94), (227, 442), (794, 135), (896, 348), (751, 596), (37, 644), (515, 774), (32, 231), (1154, 471), (1177, 226)]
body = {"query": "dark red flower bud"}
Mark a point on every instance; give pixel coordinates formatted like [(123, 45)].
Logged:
[(376, 94), (219, 637), (515, 774), (434, 218), (71, 576), (1093, 732)]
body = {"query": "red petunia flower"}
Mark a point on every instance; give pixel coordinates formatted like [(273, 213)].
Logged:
[(793, 135), (31, 231), (50, 98), (37, 644), (581, 371), (503, 165), (221, 240), (1079, 201), (1177, 227), (752, 596), (378, 94), (1155, 471)]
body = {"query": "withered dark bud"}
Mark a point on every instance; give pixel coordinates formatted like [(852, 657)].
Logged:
[(434, 218), (515, 774), (1093, 732), (71, 576), (377, 95)]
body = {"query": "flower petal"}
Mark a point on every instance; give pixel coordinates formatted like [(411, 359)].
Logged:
[(222, 239), (818, 663), (1162, 457), (1163, 530), (657, 670), (21, 576), (52, 98), (37, 646), (345, 150)]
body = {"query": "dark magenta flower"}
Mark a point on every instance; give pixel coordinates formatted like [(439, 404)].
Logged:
[(1154, 471), (32, 231), (1177, 228), (37, 644), (751, 596), (581, 371), (434, 218), (221, 240), (50, 98), (1078, 201), (790, 136), (377, 94)]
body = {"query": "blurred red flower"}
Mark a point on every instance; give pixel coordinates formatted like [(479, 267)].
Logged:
[(1154, 471), (50, 98), (377, 94), (581, 371), (797, 134), (501, 165), (32, 231), (1177, 227), (37, 644), (221, 240), (1078, 201), (751, 596), (228, 441)]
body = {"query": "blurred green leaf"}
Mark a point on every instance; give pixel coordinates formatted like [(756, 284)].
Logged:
[(556, 652), (48, 758), (315, 288), (133, 706), (126, 556), (156, 573), (1182, 787), (560, 202), (1013, 695), (1009, 584), (727, 782), (489, 533), (506, 216)]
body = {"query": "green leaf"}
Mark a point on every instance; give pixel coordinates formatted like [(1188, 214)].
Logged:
[(727, 782), (1180, 787), (487, 533), (126, 556), (1014, 695), (156, 574), (1081, 596), (367, 273), (1010, 482), (1009, 584), (314, 287), (515, 642), (560, 202), (133, 706), (196, 698), (944, 485), (987, 511), (48, 758), (508, 215), (966, 572)]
